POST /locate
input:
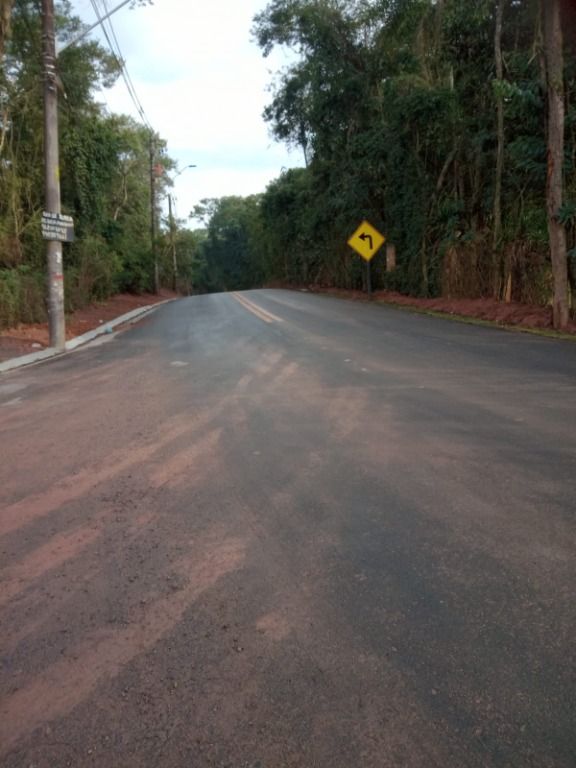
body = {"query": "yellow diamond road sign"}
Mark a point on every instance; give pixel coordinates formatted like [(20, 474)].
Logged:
[(366, 241)]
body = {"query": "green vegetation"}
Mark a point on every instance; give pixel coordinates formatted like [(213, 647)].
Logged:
[(104, 171), (230, 248), (429, 118), (449, 124)]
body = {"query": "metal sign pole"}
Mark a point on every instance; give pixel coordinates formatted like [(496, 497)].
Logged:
[(367, 241), (369, 278)]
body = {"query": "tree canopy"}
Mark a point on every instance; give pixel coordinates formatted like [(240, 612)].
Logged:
[(104, 172), (429, 118), (449, 124)]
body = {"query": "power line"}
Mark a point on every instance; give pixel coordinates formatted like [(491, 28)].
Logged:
[(89, 29), (118, 49), (117, 54), (113, 33), (120, 62), (123, 69)]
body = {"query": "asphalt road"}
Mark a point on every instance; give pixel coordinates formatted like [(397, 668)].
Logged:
[(283, 530)]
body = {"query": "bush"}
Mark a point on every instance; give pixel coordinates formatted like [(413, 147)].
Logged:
[(92, 274), (136, 273), (21, 297)]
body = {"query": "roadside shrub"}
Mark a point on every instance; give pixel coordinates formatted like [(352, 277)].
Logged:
[(21, 296), (92, 272), (135, 276)]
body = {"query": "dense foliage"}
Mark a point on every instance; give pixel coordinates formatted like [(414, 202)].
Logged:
[(231, 246), (402, 109), (104, 172), (443, 122)]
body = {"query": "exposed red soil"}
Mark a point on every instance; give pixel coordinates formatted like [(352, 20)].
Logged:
[(513, 313), (24, 339)]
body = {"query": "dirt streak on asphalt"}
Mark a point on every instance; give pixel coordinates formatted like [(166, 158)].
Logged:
[(54, 553), (66, 683), (224, 547)]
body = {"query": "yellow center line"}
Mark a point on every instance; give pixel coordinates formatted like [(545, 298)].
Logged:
[(260, 313)]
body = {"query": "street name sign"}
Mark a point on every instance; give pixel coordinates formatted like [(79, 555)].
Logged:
[(366, 241), (57, 226)]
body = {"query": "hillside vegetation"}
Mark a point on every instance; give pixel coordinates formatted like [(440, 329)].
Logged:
[(429, 119), (104, 173), (449, 124)]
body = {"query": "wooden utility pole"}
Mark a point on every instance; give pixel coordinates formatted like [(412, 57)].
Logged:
[(173, 233), (153, 217), (173, 245), (56, 319), (554, 57)]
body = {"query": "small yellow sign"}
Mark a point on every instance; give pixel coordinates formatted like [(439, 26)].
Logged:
[(366, 241)]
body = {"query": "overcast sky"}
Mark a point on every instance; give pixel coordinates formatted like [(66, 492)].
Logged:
[(203, 85)]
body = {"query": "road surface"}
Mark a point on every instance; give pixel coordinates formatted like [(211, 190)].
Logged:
[(281, 530)]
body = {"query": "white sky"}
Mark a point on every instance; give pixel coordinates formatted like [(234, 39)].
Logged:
[(203, 83)]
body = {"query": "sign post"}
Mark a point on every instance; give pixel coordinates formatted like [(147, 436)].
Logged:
[(367, 241)]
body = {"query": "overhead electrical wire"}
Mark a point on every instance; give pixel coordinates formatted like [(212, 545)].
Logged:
[(117, 54), (122, 59)]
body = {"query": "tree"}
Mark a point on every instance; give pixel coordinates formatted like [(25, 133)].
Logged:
[(402, 106), (6, 7), (231, 248), (554, 59), (104, 167), (5, 18), (497, 223)]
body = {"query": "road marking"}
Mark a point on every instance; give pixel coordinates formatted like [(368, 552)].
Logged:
[(262, 314)]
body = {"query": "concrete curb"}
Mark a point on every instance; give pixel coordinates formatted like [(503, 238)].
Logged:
[(46, 354)]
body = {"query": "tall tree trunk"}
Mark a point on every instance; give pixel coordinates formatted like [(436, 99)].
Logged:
[(553, 53), (5, 16), (497, 231), (500, 124)]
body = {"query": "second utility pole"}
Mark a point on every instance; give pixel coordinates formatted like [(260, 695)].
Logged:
[(56, 319), (153, 217), (173, 245)]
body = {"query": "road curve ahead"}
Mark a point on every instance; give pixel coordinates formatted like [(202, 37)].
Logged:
[(281, 530)]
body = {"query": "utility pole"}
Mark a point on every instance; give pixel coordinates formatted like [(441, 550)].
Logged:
[(52, 202), (153, 217), (56, 319), (173, 246), (173, 233)]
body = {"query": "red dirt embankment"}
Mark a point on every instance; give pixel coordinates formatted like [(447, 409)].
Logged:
[(24, 339), (514, 314)]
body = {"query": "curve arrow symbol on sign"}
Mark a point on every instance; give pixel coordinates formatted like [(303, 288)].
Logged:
[(364, 236), (366, 240)]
